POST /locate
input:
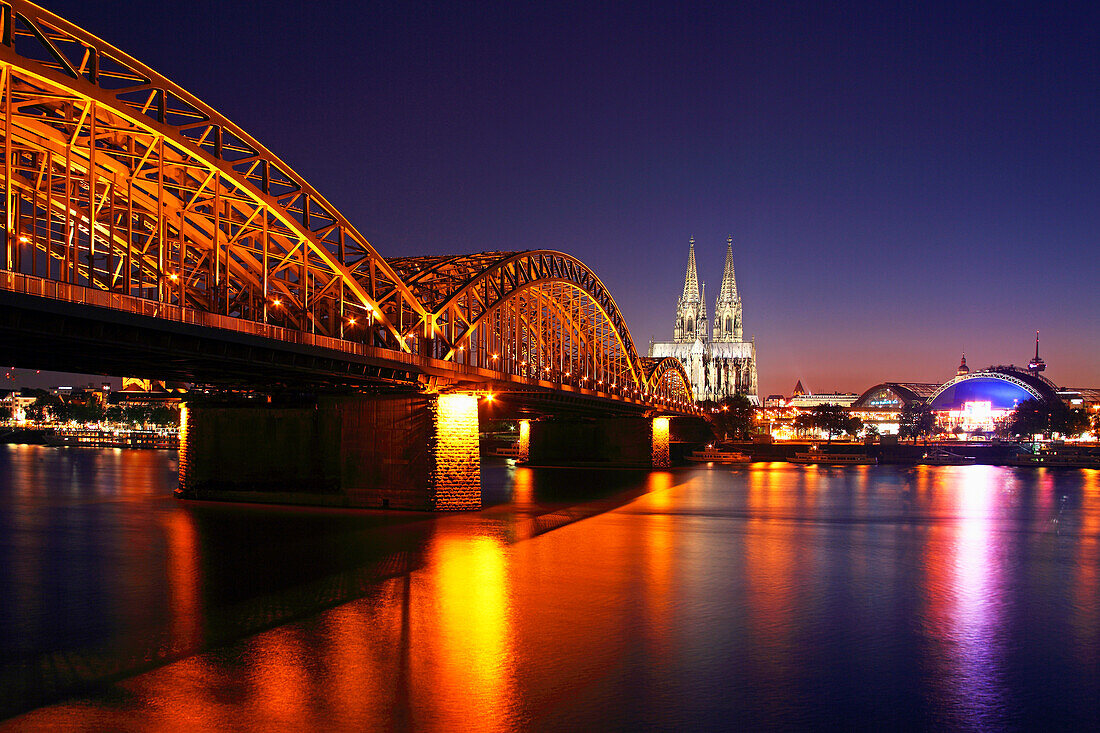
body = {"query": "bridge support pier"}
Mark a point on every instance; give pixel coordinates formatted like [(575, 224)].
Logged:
[(630, 442), (400, 451)]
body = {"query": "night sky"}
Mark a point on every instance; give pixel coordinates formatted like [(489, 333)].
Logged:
[(901, 183)]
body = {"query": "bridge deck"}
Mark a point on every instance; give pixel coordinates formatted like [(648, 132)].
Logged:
[(50, 325)]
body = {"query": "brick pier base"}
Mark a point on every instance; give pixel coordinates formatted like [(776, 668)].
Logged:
[(633, 442), (388, 451)]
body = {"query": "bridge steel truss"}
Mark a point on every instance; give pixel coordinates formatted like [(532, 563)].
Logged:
[(119, 181), (539, 314)]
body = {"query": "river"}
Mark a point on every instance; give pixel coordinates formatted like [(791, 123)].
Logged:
[(771, 595)]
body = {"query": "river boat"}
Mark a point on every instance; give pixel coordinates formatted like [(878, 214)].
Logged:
[(99, 438), (505, 451), (721, 457), (945, 458), (1057, 457), (823, 458)]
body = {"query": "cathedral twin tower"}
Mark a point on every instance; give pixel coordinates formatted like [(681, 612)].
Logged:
[(691, 311), (719, 362)]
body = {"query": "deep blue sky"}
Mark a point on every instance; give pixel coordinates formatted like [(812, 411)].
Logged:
[(902, 182)]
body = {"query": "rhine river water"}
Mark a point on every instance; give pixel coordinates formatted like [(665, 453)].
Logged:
[(767, 596)]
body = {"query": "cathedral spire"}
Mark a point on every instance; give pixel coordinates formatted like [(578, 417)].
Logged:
[(691, 280), (703, 314), (728, 293), (727, 309)]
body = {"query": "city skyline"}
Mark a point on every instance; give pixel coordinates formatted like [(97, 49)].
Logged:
[(445, 411), (901, 185)]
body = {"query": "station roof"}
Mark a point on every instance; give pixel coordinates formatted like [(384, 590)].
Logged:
[(894, 395)]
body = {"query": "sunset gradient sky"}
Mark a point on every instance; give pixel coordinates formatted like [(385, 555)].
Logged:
[(903, 182)]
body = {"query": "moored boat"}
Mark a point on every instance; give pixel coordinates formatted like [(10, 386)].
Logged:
[(104, 438), (716, 455), (824, 458), (505, 451), (945, 458), (1057, 457)]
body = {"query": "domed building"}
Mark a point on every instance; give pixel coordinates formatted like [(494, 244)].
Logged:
[(975, 401), (972, 401)]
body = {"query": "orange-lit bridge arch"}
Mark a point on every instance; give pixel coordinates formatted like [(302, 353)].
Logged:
[(125, 193)]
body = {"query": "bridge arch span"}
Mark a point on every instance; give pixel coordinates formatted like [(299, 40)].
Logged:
[(534, 312), (120, 180), (668, 378)]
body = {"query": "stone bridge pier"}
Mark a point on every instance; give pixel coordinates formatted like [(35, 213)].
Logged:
[(400, 451), (630, 442)]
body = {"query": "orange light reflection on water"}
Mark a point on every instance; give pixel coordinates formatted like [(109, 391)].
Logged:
[(659, 552), (770, 564), (183, 581), (461, 634)]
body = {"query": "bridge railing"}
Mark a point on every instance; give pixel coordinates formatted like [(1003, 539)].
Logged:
[(82, 295)]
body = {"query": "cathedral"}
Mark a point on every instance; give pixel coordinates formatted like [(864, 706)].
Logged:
[(719, 361)]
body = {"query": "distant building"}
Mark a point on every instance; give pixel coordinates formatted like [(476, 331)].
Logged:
[(973, 401), (719, 362), (149, 392), (775, 400), (882, 404), (809, 401), (17, 403)]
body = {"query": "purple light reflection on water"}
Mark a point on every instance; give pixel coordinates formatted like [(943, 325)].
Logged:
[(971, 632), (765, 596)]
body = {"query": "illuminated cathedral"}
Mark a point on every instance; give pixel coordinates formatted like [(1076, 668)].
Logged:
[(718, 360)]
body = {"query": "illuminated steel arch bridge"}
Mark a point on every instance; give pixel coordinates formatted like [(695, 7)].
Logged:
[(126, 195)]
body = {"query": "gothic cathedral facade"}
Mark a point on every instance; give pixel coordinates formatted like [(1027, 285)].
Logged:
[(718, 360)]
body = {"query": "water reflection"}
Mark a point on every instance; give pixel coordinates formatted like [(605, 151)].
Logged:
[(762, 596), (183, 581), (1086, 594), (461, 627), (967, 605)]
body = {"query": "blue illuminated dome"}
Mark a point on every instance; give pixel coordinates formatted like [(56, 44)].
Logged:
[(1003, 391)]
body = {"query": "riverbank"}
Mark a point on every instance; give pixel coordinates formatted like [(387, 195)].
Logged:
[(994, 453), (110, 437)]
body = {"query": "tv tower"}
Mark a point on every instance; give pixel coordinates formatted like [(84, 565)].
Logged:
[(1036, 365)]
